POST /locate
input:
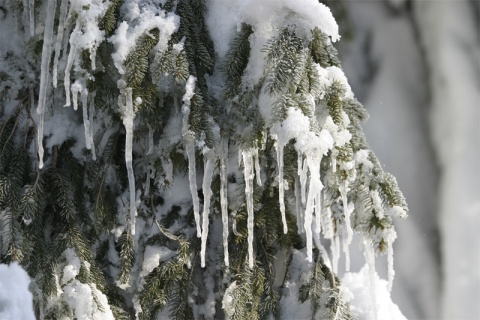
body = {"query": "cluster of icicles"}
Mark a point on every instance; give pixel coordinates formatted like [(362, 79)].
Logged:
[(313, 220)]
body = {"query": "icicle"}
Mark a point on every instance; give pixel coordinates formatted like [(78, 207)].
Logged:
[(86, 121), (192, 178), (335, 247), (189, 137), (207, 195), (150, 139), (128, 123), (91, 108), (314, 189), (281, 187), (58, 42), (343, 188), (334, 160), (76, 88), (257, 167), (370, 258), (31, 9), (318, 212), (391, 270), (298, 206), (249, 175), (223, 197), (147, 182), (71, 56), (93, 56), (303, 180), (327, 223), (234, 224), (46, 53)]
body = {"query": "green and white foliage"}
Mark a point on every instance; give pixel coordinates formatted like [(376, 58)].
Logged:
[(205, 151)]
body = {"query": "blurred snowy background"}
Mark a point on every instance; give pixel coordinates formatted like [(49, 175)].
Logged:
[(415, 65)]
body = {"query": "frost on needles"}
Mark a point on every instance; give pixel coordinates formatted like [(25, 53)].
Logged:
[(217, 152)]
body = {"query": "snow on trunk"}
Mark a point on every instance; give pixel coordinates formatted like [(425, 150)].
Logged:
[(248, 172), (223, 197), (207, 195), (127, 118), (450, 34), (44, 73), (58, 42)]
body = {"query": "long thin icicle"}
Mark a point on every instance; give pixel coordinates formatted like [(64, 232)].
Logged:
[(335, 248), (91, 108), (281, 187), (370, 258), (314, 189), (128, 123), (31, 9), (224, 198), (248, 173), (207, 195), (189, 138), (257, 167), (343, 188), (58, 42), (150, 140), (86, 123), (391, 270), (192, 178), (71, 57), (46, 53), (298, 206)]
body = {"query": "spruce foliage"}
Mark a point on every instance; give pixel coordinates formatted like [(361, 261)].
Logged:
[(70, 223)]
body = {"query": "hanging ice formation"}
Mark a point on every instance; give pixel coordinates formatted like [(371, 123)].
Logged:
[(248, 172), (46, 53), (127, 118), (189, 137), (281, 186), (58, 42), (223, 197), (207, 195)]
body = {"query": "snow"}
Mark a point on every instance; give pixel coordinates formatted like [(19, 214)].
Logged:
[(15, 298), (152, 257), (141, 21), (361, 305), (224, 18)]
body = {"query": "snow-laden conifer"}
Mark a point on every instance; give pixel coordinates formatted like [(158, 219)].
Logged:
[(145, 185)]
